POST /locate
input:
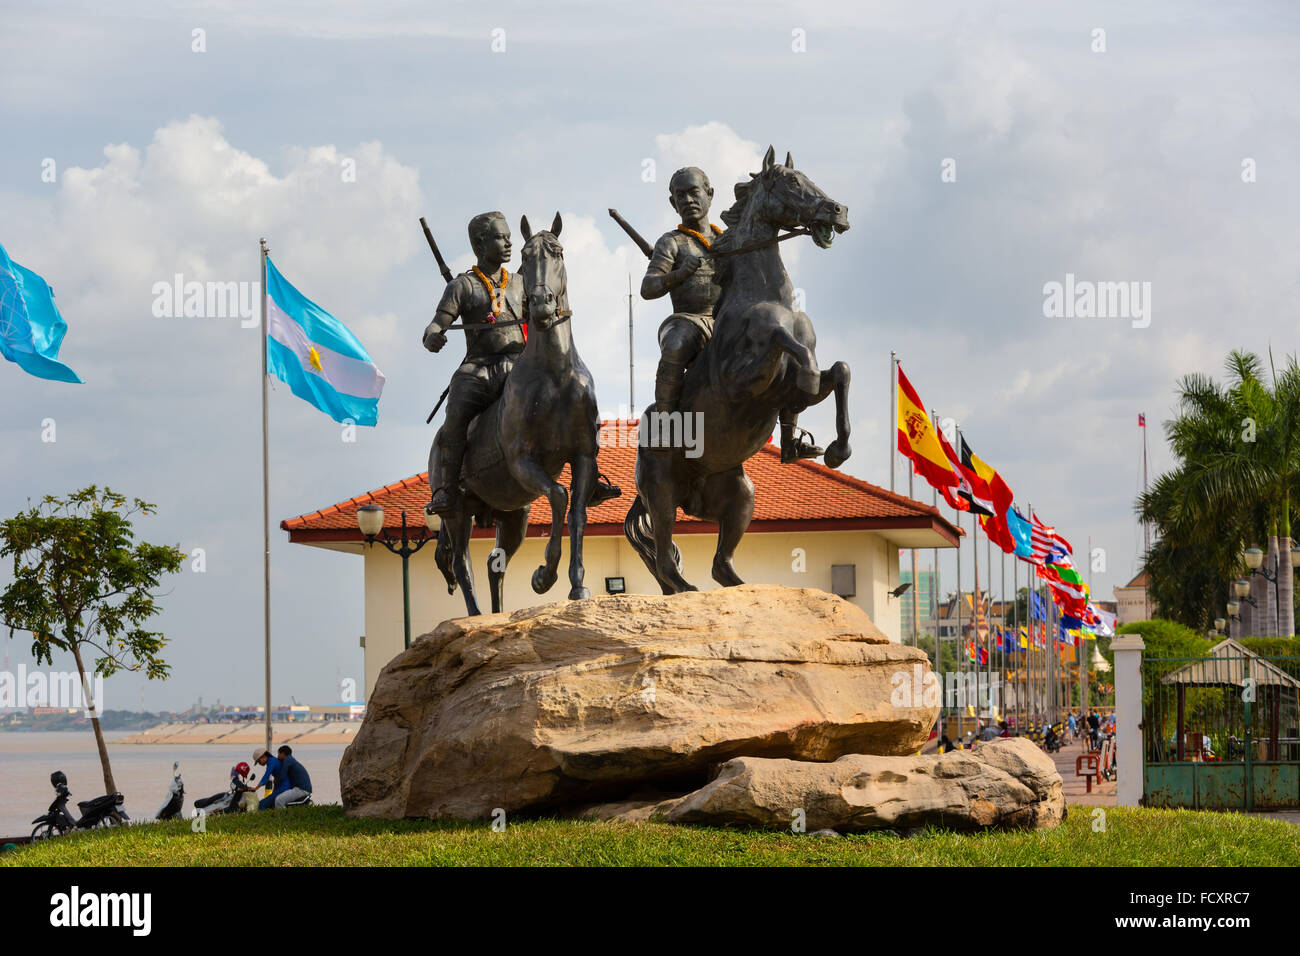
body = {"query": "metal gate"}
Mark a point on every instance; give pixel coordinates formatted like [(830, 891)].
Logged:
[(1221, 732)]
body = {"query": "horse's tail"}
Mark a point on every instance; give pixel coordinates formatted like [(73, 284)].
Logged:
[(640, 535), (442, 557)]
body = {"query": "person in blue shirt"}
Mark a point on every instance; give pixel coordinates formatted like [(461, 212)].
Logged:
[(274, 771), (297, 780)]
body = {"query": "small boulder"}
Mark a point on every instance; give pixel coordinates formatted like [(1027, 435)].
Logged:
[(1004, 784)]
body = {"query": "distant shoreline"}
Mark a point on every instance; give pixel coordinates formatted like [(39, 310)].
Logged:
[(297, 733)]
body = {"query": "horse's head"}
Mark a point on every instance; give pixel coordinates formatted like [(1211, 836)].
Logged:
[(546, 296), (783, 196)]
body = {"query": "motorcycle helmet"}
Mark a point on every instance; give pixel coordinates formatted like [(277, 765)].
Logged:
[(240, 769), (58, 779)]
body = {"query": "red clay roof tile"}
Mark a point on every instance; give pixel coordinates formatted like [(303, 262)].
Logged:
[(802, 491)]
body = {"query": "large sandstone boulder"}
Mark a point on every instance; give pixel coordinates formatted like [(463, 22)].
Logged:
[(583, 701), (1006, 783)]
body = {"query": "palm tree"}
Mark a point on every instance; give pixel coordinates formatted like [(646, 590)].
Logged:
[(1239, 452)]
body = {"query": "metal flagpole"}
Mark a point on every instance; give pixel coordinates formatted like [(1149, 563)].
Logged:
[(938, 597), (1031, 693), (266, 511), (631, 375), (1002, 672), (1146, 526), (892, 431), (988, 639), (975, 600), (975, 604), (1050, 650), (938, 626), (961, 640), (1083, 661), (916, 581), (1020, 662), (1056, 661)]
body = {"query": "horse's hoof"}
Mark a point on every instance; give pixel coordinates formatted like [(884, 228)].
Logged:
[(726, 575), (579, 594), (543, 579), (809, 381), (836, 454)]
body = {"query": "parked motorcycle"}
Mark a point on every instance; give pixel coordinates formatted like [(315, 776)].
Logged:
[(105, 811), (171, 808), (230, 800), (1052, 740)]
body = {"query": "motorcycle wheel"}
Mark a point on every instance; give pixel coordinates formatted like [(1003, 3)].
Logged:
[(46, 831)]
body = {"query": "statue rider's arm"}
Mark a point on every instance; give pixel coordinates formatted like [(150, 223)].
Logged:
[(660, 276), (435, 334)]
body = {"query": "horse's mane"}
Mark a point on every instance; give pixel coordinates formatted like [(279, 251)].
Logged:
[(733, 215), (547, 241)]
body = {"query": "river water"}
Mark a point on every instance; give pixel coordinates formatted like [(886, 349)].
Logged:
[(142, 772)]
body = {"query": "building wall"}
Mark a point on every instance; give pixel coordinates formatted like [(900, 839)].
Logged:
[(1130, 605), (761, 558)]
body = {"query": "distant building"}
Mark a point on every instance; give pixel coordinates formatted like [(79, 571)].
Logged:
[(1131, 600), (921, 596)]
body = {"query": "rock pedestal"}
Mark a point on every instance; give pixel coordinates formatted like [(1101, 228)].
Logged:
[(583, 701)]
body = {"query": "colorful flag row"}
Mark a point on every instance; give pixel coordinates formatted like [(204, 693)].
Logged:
[(968, 483)]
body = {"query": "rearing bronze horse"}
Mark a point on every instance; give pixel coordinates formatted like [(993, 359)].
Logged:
[(758, 367)]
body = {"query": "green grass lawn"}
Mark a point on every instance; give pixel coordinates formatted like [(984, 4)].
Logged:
[(323, 836)]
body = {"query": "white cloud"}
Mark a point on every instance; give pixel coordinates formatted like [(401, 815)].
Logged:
[(192, 202)]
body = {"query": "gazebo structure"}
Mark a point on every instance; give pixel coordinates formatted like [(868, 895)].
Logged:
[(1231, 665), (1221, 730)]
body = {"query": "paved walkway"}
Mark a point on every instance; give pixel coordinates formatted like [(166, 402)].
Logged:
[(1075, 787)]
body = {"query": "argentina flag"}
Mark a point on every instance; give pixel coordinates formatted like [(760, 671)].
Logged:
[(317, 357), (31, 328)]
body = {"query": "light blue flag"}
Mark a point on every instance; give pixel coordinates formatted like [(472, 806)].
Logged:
[(31, 328), (317, 357), (1022, 533)]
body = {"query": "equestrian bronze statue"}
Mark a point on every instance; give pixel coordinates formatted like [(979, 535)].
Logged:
[(520, 407), (681, 267), (757, 367)]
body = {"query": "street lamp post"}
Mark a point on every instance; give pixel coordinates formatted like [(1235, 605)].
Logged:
[(1242, 587), (1234, 617), (1255, 563), (370, 520)]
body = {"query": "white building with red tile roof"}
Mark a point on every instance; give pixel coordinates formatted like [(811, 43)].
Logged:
[(808, 519)]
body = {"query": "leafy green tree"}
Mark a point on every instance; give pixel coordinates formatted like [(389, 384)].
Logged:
[(1238, 450), (81, 583)]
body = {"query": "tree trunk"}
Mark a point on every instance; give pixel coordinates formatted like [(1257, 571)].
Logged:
[(1259, 613), (1234, 623), (1246, 627), (1271, 562), (92, 706), (1286, 587)]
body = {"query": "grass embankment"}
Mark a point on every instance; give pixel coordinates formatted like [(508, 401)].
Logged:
[(323, 836)]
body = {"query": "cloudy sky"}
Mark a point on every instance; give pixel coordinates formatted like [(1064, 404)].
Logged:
[(1105, 140)]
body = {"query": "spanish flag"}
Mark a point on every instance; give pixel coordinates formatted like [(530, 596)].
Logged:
[(918, 440)]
